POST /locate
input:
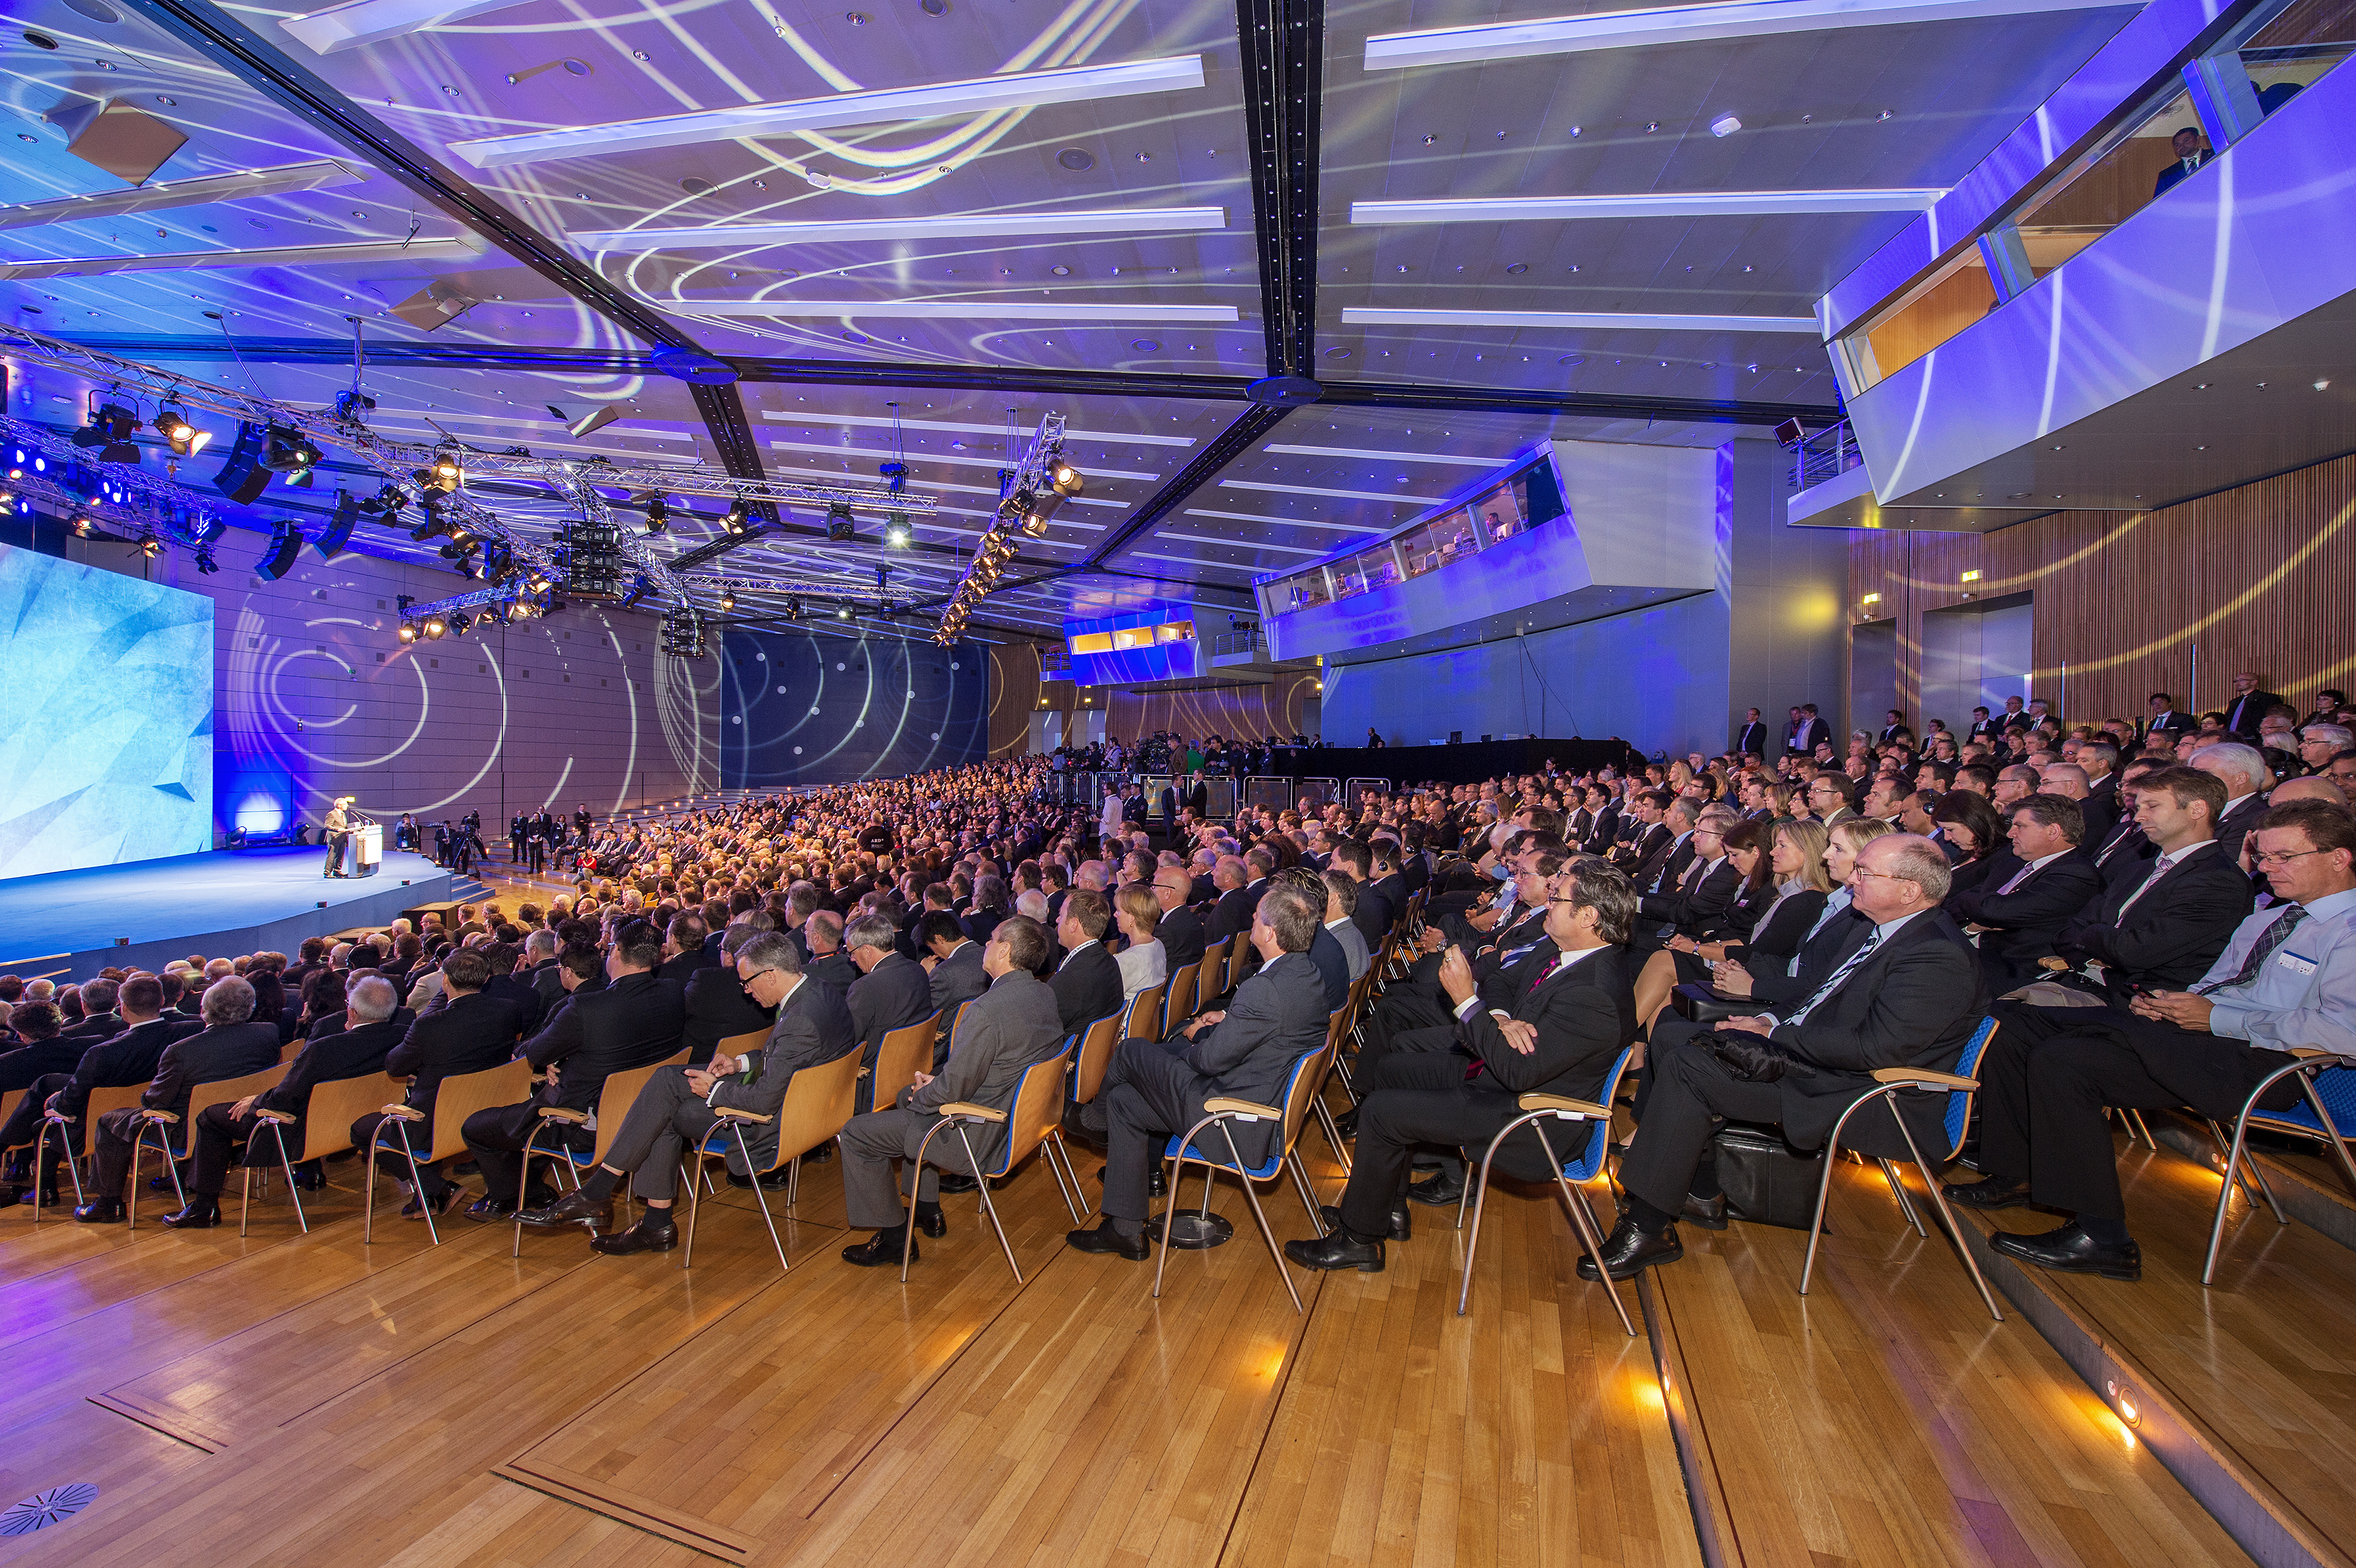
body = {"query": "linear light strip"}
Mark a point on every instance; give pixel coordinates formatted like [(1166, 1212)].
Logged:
[(1286, 451), (1237, 543), (781, 445), (1680, 24), (1646, 204), (943, 310), (1015, 90), (320, 174), (460, 249), (949, 226), (1192, 560), (1286, 521), (880, 422), (1337, 495), (358, 22), (1579, 320)]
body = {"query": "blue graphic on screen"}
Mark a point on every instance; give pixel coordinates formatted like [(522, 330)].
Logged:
[(802, 707), (106, 739)]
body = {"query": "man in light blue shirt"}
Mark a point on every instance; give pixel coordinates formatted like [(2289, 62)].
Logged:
[(2286, 979)]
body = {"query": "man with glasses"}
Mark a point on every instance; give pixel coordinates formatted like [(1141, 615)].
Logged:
[(2288, 978), (676, 1110), (1830, 799)]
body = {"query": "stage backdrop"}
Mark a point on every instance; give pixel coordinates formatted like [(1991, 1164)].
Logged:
[(106, 743), (801, 705)]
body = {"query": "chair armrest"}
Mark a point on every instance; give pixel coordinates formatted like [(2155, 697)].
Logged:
[(2054, 964), (2308, 1053), (402, 1114), (967, 1109), (1924, 1077), (148, 1113), (283, 1118), (730, 1113), (1562, 1102), (1225, 1106), (559, 1114)]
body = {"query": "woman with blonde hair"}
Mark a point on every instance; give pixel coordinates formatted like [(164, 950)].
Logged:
[(1144, 963), (1783, 890)]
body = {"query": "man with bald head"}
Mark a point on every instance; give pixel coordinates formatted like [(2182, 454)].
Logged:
[(1232, 915), (1180, 931)]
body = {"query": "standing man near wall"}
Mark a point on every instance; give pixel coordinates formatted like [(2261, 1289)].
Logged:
[(1752, 738), (337, 831)]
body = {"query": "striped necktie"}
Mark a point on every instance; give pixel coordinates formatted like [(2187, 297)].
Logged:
[(1839, 975), (2261, 951)]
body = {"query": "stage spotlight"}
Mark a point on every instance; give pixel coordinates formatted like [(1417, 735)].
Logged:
[(1067, 480), (840, 527), (433, 628), (658, 515), (727, 600), (842, 612), (459, 623), (408, 632), (793, 609), (287, 451), (738, 517), (109, 422), (150, 546), (184, 439), (79, 524), (895, 531), (206, 562)]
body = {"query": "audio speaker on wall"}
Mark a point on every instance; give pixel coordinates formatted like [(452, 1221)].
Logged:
[(242, 478), (286, 544), (338, 531)]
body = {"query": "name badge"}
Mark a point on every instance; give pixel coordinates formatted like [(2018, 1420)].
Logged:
[(2302, 967)]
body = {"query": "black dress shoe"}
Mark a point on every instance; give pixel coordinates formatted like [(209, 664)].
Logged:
[(2069, 1251), (1347, 1124), (1710, 1213), (309, 1181), (440, 1203), (1442, 1188), (1993, 1193), (48, 1197), (646, 1236), (202, 1213), (1337, 1250), (161, 1183), (1103, 1238), (1628, 1251), (1159, 1186), (936, 1224), (1401, 1227), (953, 1182), (100, 1211), (572, 1208), (485, 1209), (882, 1251)]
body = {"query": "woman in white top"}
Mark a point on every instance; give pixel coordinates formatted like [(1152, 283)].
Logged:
[(1143, 961), (1108, 816)]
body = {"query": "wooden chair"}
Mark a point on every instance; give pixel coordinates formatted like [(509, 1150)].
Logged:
[(326, 1119), (1300, 1089), (620, 1091), (102, 1100), (819, 1101), (1212, 979), (1240, 957), (1034, 1123), (1572, 1170), (900, 1056), (1144, 1011), (290, 1050), (1890, 1082), (458, 1097), (1089, 1062), (1337, 1022), (1180, 1000), (225, 1090), (2327, 1082)]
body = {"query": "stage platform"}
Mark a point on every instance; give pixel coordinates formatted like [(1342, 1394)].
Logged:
[(71, 924)]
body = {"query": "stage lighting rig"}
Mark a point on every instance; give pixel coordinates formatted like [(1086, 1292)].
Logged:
[(352, 408), (738, 519), (206, 563), (895, 531), (408, 632), (433, 627), (183, 438), (286, 451), (590, 555), (658, 515), (150, 546), (842, 528), (1030, 492), (682, 633), (727, 600), (110, 430)]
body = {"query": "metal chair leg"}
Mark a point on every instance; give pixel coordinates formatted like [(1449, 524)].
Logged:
[(1300, 1184), (1267, 1232), (523, 1185), (982, 1183), (1478, 1193), (294, 1193), (1177, 1173), (2244, 1171), (1946, 1215), (1824, 1185), (1898, 1191), (1333, 1131), (694, 1202), (916, 1179), (1049, 1149), (245, 1204), (2141, 1128), (1583, 1221), (2235, 1151), (775, 1240)]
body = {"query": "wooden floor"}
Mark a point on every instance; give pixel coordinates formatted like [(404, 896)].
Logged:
[(304, 1399)]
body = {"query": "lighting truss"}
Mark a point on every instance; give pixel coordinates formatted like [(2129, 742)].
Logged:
[(148, 502), (1033, 478)]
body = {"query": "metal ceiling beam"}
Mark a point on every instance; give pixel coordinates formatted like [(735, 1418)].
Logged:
[(216, 36), (1222, 449), (1283, 45), (1404, 395)]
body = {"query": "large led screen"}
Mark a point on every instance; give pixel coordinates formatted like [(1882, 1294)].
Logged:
[(106, 729)]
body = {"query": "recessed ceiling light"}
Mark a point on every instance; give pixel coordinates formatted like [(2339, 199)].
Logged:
[(1060, 270), (1725, 125), (1077, 160), (1518, 268), (2321, 385), (1429, 140), (934, 8), (1652, 127), (1337, 353), (857, 18), (1572, 360), (1884, 114), (695, 186)]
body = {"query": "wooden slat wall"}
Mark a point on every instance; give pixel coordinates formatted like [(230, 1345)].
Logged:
[(1014, 691), (2260, 577)]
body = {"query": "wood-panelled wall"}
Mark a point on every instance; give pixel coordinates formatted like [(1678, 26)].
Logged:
[(2262, 578), (1014, 691)]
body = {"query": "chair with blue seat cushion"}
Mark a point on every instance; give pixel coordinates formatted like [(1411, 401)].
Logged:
[(2327, 1082), (1301, 1086), (1584, 1164), (1890, 1083)]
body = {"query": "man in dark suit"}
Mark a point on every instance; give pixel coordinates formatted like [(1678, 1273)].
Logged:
[(676, 1110), (1231, 915), (1371, 914), (1153, 1090), (129, 1057), (99, 1020), (682, 949), (1909, 995), (2251, 702), (2017, 911), (1087, 980), (1180, 931), (1700, 894), (891, 991), (1573, 1016), (41, 1051), (229, 1045), (829, 964), (2190, 155), (2165, 720), (1385, 883), (358, 1051), (634, 1022), (1982, 728), (2162, 928), (1752, 738), (465, 1031), (1007, 1028), (954, 959), (1811, 733)]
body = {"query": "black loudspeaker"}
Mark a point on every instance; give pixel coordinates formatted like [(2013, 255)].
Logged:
[(340, 524), (242, 477), (286, 544)]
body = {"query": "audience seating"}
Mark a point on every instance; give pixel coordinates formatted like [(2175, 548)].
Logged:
[(620, 1091), (819, 1101), (2327, 1082), (1144, 1009), (1212, 977), (1572, 1172), (102, 1100), (1093, 1055), (456, 1098), (1034, 1123), (901, 1055), (1959, 1086), (221, 1091), (327, 1129), (1181, 1001)]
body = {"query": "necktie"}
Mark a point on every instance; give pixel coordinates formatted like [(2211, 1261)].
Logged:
[(2017, 878), (1693, 874), (2264, 949), (2158, 869), (1839, 975)]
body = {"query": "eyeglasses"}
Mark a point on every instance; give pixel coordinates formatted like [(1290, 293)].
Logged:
[(2283, 857), (1885, 875)]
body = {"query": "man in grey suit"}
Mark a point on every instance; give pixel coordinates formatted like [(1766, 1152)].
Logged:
[(1010, 1027), (1155, 1089), (675, 1112), (1341, 902)]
